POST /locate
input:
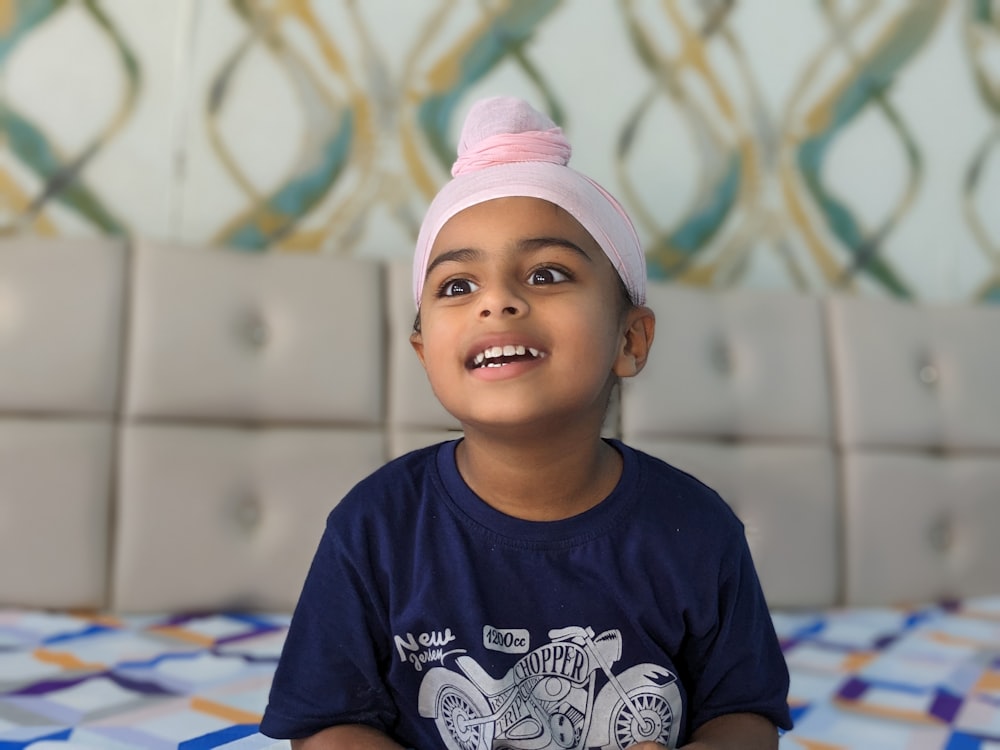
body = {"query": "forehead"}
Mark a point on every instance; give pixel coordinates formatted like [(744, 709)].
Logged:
[(502, 221)]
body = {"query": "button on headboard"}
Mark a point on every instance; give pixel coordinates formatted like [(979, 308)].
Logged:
[(226, 335), (254, 400), (918, 413), (176, 423), (736, 392)]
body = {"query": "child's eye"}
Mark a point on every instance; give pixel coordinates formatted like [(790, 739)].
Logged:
[(547, 275), (457, 287)]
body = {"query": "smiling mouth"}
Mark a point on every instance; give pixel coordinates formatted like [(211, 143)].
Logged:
[(498, 356)]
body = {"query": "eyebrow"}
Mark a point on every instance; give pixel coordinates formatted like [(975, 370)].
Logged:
[(537, 243), (461, 255), (468, 254)]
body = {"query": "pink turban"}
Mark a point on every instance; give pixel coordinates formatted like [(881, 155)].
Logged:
[(509, 149)]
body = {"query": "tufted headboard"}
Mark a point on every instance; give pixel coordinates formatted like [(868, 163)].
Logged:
[(176, 422)]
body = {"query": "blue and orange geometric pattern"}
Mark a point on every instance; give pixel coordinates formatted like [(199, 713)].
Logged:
[(924, 678), (138, 682), (908, 678)]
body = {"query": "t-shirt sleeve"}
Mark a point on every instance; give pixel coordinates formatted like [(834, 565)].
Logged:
[(328, 673), (735, 662)]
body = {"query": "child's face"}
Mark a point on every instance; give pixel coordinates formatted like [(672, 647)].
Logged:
[(522, 321)]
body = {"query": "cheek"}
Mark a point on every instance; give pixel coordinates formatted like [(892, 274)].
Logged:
[(593, 344), (604, 320), (438, 340)]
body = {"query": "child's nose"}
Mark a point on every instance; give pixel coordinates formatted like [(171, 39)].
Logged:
[(502, 300), (509, 310)]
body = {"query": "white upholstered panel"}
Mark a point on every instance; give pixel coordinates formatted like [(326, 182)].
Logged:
[(255, 395), (412, 403), (919, 376), (415, 416), (920, 526), (213, 517), (786, 497), (55, 487), (220, 334), (734, 364), (736, 393), (60, 325)]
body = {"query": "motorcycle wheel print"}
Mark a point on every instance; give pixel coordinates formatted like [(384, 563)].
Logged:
[(454, 719), (652, 723)]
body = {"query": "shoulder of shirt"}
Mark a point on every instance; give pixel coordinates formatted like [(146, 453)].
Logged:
[(672, 488), (395, 483)]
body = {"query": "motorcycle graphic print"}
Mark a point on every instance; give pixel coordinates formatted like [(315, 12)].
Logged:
[(547, 699)]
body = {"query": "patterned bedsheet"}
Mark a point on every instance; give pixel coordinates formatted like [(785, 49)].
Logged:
[(139, 682), (895, 679), (920, 678)]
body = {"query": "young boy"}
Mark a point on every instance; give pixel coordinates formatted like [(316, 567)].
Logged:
[(531, 585)]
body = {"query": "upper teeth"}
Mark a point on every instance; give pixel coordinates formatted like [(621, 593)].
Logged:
[(509, 350)]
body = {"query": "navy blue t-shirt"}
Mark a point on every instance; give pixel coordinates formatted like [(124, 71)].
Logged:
[(444, 623)]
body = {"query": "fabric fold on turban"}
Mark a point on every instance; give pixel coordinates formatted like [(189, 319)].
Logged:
[(509, 149)]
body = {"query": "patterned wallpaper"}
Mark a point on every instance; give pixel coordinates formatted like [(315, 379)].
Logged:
[(811, 144)]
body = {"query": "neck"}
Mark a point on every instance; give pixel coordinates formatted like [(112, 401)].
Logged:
[(540, 478)]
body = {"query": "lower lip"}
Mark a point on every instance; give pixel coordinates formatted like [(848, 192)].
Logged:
[(505, 372)]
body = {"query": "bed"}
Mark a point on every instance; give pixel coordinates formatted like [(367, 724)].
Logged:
[(175, 423), (905, 678)]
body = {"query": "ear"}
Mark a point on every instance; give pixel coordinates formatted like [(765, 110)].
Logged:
[(417, 342), (640, 325)]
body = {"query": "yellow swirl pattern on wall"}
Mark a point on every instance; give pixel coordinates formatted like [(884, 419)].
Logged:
[(982, 29), (438, 82), (371, 105), (61, 174), (340, 135), (349, 130), (726, 209), (842, 247)]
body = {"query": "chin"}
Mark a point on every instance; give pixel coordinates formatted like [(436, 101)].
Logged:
[(524, 425), (505, 415)]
